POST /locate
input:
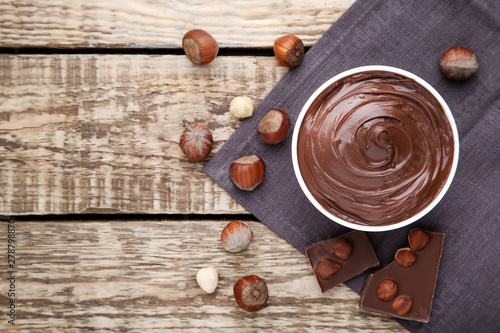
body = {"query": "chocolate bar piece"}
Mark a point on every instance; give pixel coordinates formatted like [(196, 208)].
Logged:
[(405, 288), (338, 259)]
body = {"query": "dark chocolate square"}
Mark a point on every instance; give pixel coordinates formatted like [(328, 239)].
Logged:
[(362, 258), (416, 282)]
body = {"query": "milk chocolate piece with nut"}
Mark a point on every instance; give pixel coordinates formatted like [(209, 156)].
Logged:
[(414, 272), (336, 260)]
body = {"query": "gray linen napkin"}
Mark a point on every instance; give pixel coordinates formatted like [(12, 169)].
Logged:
[(411, 35)]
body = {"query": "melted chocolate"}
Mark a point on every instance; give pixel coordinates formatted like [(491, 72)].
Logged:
[(375, 148)]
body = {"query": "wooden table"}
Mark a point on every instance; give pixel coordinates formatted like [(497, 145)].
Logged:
[(113, 222)]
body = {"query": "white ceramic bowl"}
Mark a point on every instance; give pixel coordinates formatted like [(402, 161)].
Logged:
[(418, 214)]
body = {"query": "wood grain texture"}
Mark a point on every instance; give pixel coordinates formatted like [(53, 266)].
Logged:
[(100, 133), (161, 24), (139, 276)]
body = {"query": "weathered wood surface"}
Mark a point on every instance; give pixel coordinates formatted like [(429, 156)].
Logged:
[(161, 24), (100, 133), (139, 276)]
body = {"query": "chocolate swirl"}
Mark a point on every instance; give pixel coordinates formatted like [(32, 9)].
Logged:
[(375, 148)]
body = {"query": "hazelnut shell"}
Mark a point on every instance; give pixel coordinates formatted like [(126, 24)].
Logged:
[(250, 293), (236, 236), (289, 50), (458, 63), (274, 126), (247, 172), (200, 47), (196, 142)]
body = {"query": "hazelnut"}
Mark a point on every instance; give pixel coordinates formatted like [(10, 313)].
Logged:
[(207, 279), (405, 257), (458, 63), (200, 47), (196, 142), (289, 50), (387, 290), (273, 127), (341, 248), (250, 293), (241, 107), (247, 172), (418, 239), (236, 236), (402, 305), (326, 268)]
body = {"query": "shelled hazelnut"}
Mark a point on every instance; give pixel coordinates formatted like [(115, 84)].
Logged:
[(387, 290), (326, 268), (241, 107), (405, 257), (402, 305), (418, 239), (200, 47), (341, 248), (207, 279)]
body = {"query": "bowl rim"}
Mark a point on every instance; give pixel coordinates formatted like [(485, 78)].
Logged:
[(421, 213)]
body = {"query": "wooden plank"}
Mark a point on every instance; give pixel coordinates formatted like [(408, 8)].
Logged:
[(139, 276), (160, 24), (100, 133)]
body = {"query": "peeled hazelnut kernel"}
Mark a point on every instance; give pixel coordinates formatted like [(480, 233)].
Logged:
[(405, 257), (247, 172), (458, 63), (326, 268), (250, 293), (236, 236), (273, 127), (196, 142), (207, 279), (200, 47), (402, 305), (289, 50), (241, 107), (418, 239), (341, 248), (387, 290)]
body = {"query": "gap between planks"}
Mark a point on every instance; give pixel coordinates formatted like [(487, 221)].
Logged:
[(223, 52), (132, 218)]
